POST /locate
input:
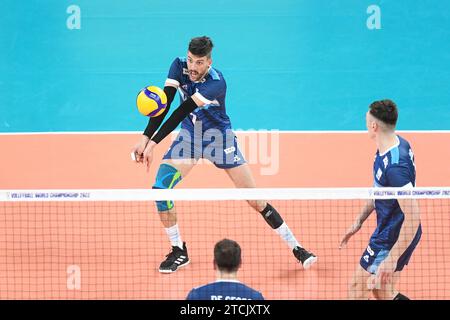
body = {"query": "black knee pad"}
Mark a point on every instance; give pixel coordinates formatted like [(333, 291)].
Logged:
[(272, 217)]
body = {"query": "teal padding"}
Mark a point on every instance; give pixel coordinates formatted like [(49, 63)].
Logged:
[(166, 178)]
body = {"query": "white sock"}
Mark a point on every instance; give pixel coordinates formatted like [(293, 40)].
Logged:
[(174, 236), (286, 234)]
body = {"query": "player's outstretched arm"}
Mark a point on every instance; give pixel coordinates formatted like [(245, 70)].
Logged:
[(365, 213), (169, 125), (152, 126), (155, 122), (177, 116)]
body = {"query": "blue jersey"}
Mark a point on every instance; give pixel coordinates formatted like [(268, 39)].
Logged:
[(394, 168), (224, 290), (211, 90)]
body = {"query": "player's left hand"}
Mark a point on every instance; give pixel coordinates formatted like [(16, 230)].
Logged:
[(148, 154), (350, 232), (386, 271)]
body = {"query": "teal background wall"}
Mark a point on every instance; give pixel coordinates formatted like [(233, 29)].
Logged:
[(289, 65)]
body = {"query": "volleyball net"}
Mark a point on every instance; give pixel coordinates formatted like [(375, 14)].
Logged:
[(108, 244)]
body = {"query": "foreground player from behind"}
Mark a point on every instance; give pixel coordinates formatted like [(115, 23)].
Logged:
[(227, 261), (398, 221), (202, 91)]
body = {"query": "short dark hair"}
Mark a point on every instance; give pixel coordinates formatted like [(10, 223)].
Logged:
[(201, 46), (385, 111), (227, 255)]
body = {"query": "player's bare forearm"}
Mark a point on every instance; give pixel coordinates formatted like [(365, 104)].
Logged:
[(365, 212), (148, 154), (411, 223), (145, 139)]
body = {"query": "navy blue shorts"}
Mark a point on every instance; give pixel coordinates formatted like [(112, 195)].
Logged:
[(372, 257), (221, 148)]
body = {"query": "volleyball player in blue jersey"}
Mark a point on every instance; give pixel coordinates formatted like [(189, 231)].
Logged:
[(227, 261), (205, 133), (398, 228)]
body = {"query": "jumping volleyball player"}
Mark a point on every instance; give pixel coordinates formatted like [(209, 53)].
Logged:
[(202, 90)]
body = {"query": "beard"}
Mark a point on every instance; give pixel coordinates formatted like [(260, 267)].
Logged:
[(195, 76)]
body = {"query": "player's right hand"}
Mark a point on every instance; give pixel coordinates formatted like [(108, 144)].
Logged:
[(350, 232), (138, 150), (148, 154)]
